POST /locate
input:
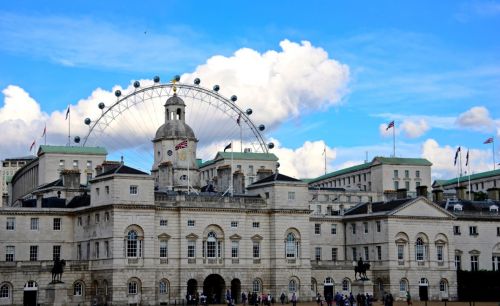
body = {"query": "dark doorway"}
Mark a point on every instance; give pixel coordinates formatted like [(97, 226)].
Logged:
[(236, 290), (214, 287), (328, 291), (379, 289), (423, 293), (30, 298), (192, 286)]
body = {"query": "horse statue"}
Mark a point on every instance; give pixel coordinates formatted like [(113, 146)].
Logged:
[(361, 268), (57, 270)]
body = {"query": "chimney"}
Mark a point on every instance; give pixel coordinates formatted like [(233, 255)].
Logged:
[(422, 191), (98, 170), (39, 198), (71, 178), (460, 192), (437, 195), (493, 194), (109, 165), (401, 193), (369, 209)]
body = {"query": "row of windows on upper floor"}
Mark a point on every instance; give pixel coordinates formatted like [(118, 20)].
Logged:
[(133, 190), (34, 224), (474, 262), (75, 164), (8, 164), (407, 185), (473, 231), (209, 173)]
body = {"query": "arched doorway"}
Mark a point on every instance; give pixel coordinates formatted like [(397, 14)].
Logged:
[(423, 289), (214, 287), (30, 293), (236, 289), (192, 288)]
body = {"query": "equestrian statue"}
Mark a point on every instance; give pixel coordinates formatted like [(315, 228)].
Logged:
[(361, 268), (57, 270)]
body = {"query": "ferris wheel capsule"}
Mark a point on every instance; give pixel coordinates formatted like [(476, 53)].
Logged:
[(101, 105), (249, 111), (87, 121), (262, 127), (277, 164), (197, 81), (118, 93), (270, 145), (216, 88), (177, 78), (77, 139), (234, 98), (156, 79), (137, 84)]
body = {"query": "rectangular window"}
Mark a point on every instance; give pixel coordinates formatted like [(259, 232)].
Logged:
[(401, 252), (317, 228), (163, 222), (106, 248), (407, 173), (334, 254), (89, 177), (456, 230), (353, 227), (106, 216), (79, 222), (396, 174), (10, 253), (498, 230), (379, 252), (234, 224), (334, 229), (11, 223), (354, 254), (473, 230), (365, 226), (256, 249), (97, 191), (79, 251), (495, 261), (317, 253), (96, 250), (57, 224), (407, 186), (33, 252), (89, 164), (97, 218), (133, 189), (56, 252), (191, 249), (163, 248), (417, 184), (291, 196), (458, 262), (75, 164), (417, 173), (396, 185), (439, 252), (88, 250), (235, 249), (190, 223), (474, 263), (379, 226), (34, 224), (255, 224), (106, 189), (367, 254), (61, 164)]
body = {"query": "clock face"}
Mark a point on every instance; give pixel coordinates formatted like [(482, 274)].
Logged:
[(169, 152)]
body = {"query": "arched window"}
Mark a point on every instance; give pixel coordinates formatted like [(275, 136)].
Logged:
[(420, 250), (403, 285), (328, 281), (292, 285), (291, 246), (256, 286), (163, 289), (346, 285), (5, 291), (211, 245), (443, 286), (96, 288), (133, 287), (314, 285), (78, 289), (132, 244)]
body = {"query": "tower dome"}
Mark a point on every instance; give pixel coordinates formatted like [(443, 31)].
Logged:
[(175, 126)]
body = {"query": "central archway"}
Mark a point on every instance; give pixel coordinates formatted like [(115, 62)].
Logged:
[(236, 290), (214, 288)]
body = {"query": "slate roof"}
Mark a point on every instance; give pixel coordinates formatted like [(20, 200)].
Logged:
[(241, 156), (79, 201), (374, 162), (122, 169), (71, 150), (277, 177), (377, 207)]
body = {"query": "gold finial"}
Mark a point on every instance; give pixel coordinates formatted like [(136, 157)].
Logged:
[(174, 87)]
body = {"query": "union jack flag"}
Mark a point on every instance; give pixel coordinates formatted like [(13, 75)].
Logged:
[(183, 144), (489, 140), (390, 125)]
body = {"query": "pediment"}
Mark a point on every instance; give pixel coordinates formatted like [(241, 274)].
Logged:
[(257, 237), (164, 236), (235, 237), (192, 236), (421, 207)]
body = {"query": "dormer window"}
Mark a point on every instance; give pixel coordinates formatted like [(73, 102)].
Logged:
[(494, 208), (457, 207)]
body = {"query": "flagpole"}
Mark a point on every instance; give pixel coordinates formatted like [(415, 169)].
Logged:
[(232, 191), (188, 162), (324, 153), (69, 126), (45, 134), (493, 150), (241, 140), (468, 170), (394, 140)]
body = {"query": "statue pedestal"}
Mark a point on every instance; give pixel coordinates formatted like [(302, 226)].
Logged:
[(362, 287), (57, 294)]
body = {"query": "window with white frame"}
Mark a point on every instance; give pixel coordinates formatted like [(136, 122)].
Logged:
[(5, 291), (255, 224), (234, 224), (235, 249), (443, 286), (133, 287), (11, 223), (78, 289), (354, 254), (353, 227), (56, 252), (379, 226), (10, 253), (346, 285), (365, 226), (57, 224), (256, 249), (495, 261), (191, 249), (292, 285), (291, 195), (163, 248), (96, 249), (379, 252), (401, 252), (256, 285), (106, 248), (367, 253), (420, 250), (163, 288), (134, 244), (439, 252), (134, 189), (458, 262), (317, 253), (33, 252), (317, 228), (212, 244), (190, 223), (163, 222), (97, 218), (291, 246), (473, 230), (106, 216), (334, 229), (34, 224), (403, 285), (474, 263)]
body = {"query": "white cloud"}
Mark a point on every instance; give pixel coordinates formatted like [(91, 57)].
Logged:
[(442, 158), (477, 118), (414, 128)]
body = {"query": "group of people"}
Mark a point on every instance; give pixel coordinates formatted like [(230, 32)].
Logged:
[(345, 300)]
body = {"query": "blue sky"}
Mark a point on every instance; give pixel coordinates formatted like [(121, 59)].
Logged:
[(433, 67)]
